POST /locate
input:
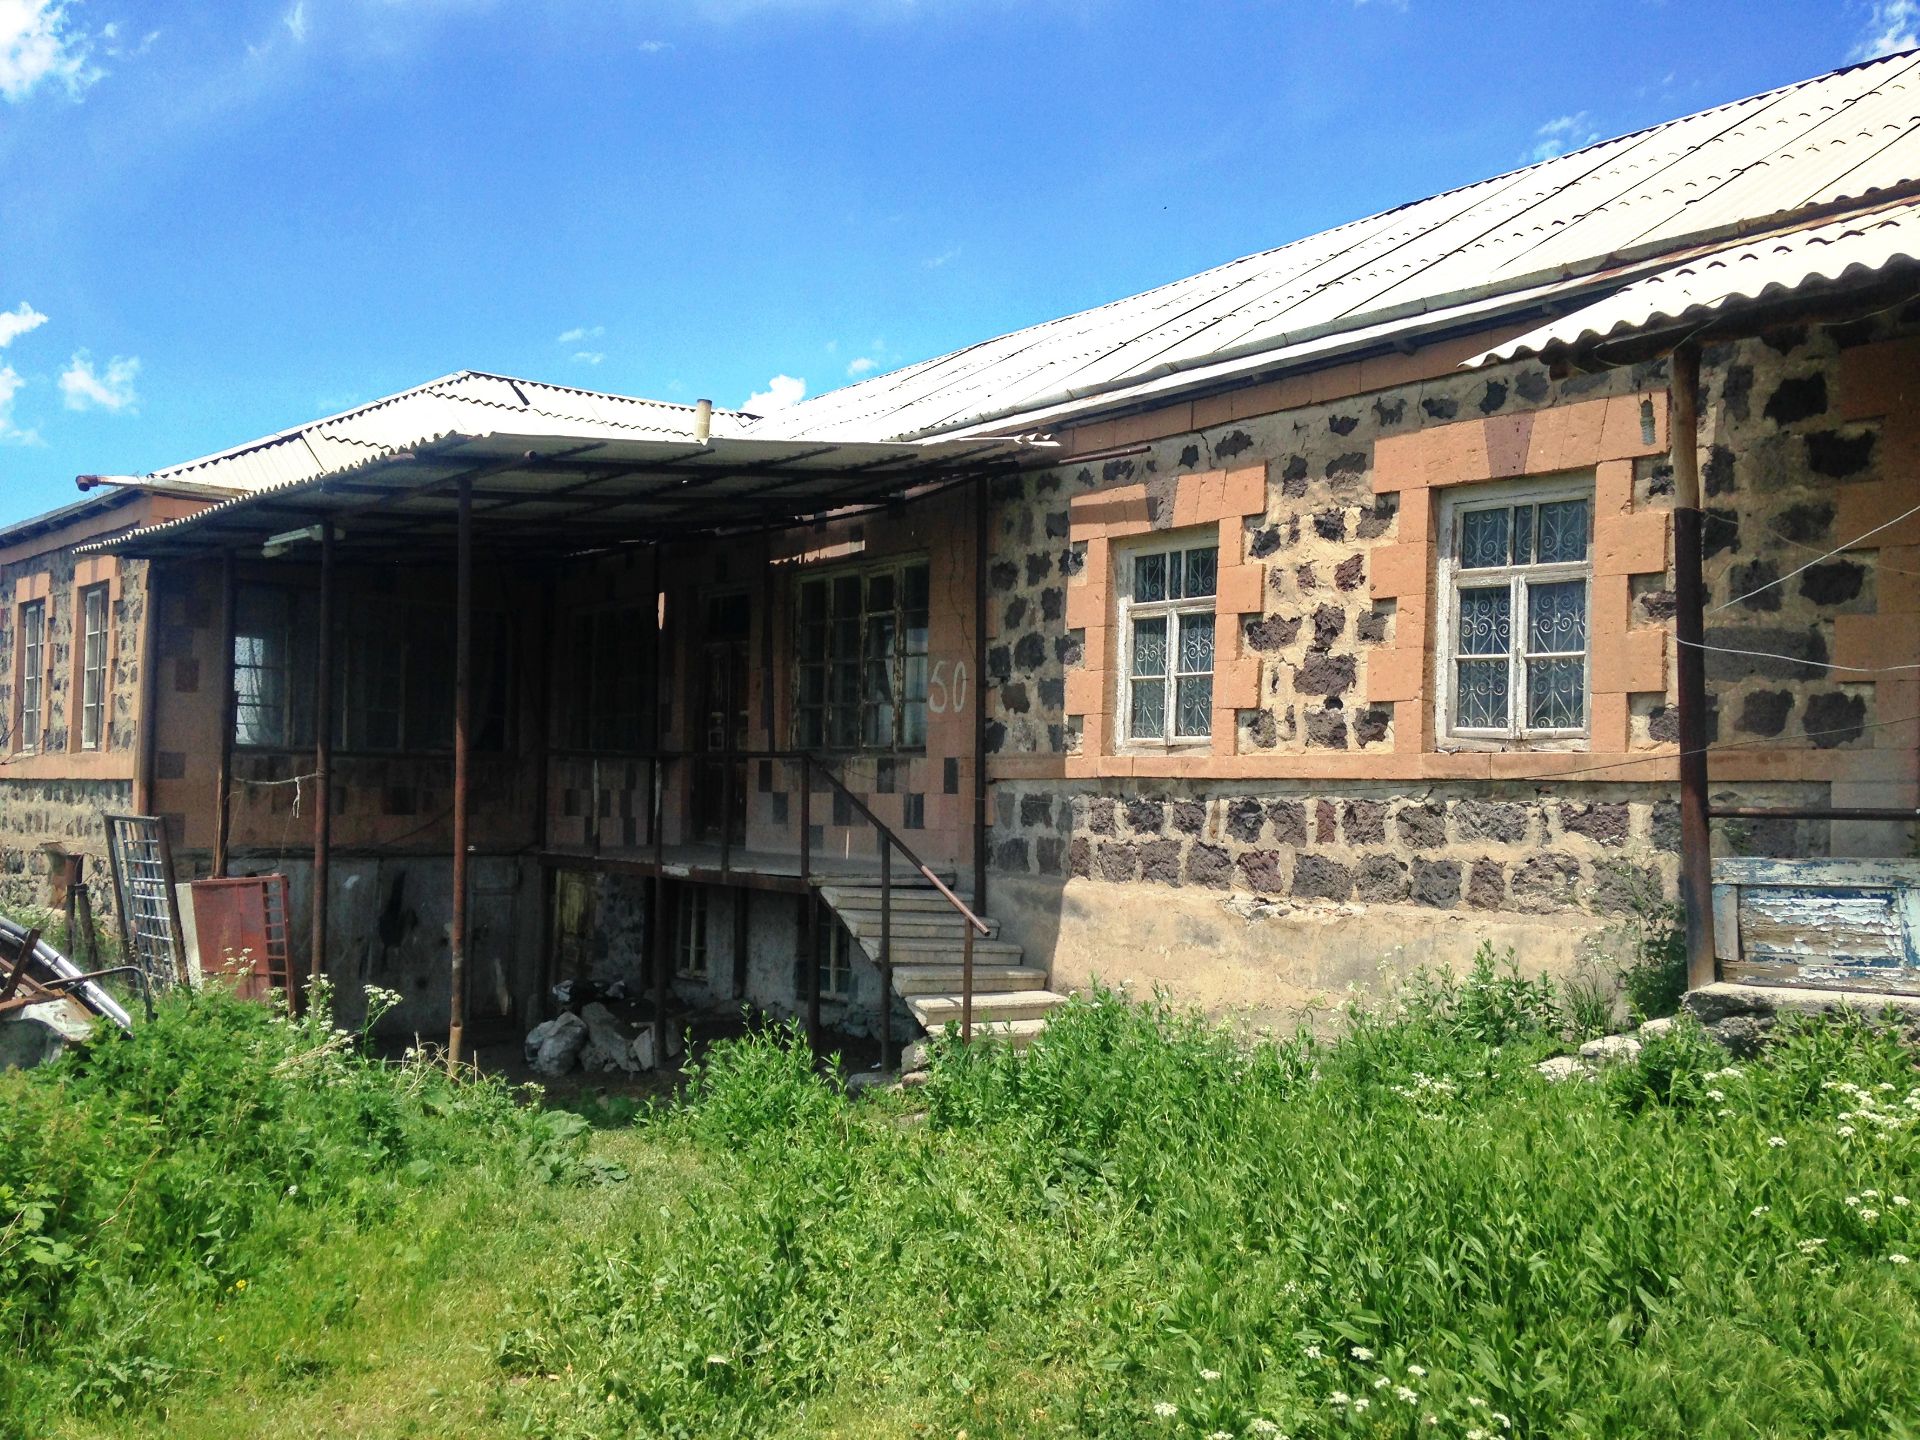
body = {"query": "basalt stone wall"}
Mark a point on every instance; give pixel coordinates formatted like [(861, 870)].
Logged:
[(1783, 445), (39, 817)]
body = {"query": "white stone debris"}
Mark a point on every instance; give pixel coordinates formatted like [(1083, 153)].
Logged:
[(554, 1047)]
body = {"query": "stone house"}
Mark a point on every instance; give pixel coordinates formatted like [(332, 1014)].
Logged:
[(1297, 623)]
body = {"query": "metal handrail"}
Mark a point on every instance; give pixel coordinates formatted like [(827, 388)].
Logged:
[(888, 842)]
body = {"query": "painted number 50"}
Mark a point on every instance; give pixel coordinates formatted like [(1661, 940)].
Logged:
[(944, 694)]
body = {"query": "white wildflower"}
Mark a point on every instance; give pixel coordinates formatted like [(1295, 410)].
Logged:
[(1362, 1354), (1419, 1372), (1260, 1425), (1897, 1259), (1869, 1214), (1716, 1096), (1777, 1142), (1405, 1395), (1361, 1403), (1380, 1382), (1853, 1200), (1845, 1132), (1902, 1201), (1760, 1210), (1165, 1410), (1479, 1433), (1505, 1422), (1339, 1399), (1220, 1435), (718, 1360), (1312, 1352), (1807, 1247), (1209, 1375)]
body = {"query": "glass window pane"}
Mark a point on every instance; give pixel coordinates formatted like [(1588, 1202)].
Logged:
[(1486, 626), (1523, 535), (1150, 578), (1200, 568), (1150, 646), (913, 724), (1563, 532), (914, 582), (813, 642), (880, 592), (1148, 720), (1480, 695), (1196, 645), (843, 727), (876, 729), (914, 680), (1557, 617), (1194, 697), (1483, 539), (813, 600), (846, 596), (879, 637), (1556, 696)]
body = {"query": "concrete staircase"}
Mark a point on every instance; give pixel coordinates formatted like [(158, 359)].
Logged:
[(1010, 998)]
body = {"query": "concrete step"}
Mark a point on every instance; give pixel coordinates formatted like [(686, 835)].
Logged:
[(946, 979), (912, 926), (867, 897), (944, 952), (934, 1011), (1017, 1033)]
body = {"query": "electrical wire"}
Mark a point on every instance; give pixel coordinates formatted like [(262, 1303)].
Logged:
[(1838, 549), (1792, 659)]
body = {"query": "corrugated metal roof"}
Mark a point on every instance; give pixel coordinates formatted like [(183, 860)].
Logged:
[(1603, 213), (465, 403), (566, 491), (1841, 250)]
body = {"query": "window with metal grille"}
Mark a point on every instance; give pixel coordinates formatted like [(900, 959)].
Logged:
[(690, 933), (94, 611), (28, 715), (1166, 640), (1514, 574), (861, 671)]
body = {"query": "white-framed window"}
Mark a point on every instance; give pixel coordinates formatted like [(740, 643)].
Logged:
[(1515, 576), (33, 673), (93, 667), (1166, 591), (837, 949), (690, 933)]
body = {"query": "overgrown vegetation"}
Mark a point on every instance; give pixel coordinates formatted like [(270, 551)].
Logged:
[(1143, 1227)]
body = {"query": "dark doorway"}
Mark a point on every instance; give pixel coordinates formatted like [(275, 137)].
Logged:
[(722, 716)]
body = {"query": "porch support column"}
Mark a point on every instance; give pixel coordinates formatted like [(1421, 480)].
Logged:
[(223, 781), (657, 923), (322, 756), (462, 755), (982, 495), (1690, 666)]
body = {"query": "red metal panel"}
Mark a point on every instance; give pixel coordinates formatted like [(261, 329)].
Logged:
[(241, 926)]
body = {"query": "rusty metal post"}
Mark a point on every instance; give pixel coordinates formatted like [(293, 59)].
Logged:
[(886, 947), (223, 781), (810, 932), (146, 737), (1690, 665), (657, 938), (322, 758), (966, 988), (462, 778), (982, 498), (726, 810)]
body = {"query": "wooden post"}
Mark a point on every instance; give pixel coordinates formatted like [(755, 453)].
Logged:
[(223, 781), (146, 733), (322, 757), (1696, 857), (810, 913), (462, 758)]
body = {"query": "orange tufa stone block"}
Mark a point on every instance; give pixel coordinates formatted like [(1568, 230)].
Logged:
[(1086, 692), (1236, 684), (1631, 545), (1399, 570), (1877, 507), (1244, 492), (1397, 674), (1882, 379), (1240, 589), (1630, 663)]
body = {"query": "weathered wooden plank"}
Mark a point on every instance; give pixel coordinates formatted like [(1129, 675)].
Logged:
[(1726, 922), (1745, 870)]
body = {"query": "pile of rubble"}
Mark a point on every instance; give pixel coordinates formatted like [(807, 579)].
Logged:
[(597, 1041)]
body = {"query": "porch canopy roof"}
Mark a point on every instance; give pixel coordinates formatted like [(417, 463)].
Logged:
[(558, 494)]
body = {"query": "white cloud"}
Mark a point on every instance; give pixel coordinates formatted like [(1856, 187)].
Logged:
[(862, 365), (296, 22), (945, 257), (781, 392), (18, 321), (590, 357), (655, 47), (1558, 136), (39, 43), (1893, 26), (10, 433), (579, 333), (108, 389)]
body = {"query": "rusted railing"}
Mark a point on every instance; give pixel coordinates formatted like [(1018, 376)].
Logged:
[(886, 842)]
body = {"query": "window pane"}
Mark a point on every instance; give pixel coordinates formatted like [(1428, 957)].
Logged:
[(913, 724), (1150, 646), (880, 591), (1523, 535), (914, 583), (879, 637), (1557, 617), (1486, 626), (1200, 568), (1148, 720), (1196, 645), (1150, 578), (1194, 694), (1563, 532), (813, 600), (846, 596), (813, 642), (1483, 539), (1480, 699), (914, 680), (1556, 698)]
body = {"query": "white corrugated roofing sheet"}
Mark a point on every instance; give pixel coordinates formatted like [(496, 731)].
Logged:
[(1858, 246), (465, 403), (1842, 137)]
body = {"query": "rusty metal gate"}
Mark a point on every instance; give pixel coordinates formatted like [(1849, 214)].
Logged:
[(143, 890)]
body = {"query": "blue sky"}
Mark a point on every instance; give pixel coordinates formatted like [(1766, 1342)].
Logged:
[(222, 218)]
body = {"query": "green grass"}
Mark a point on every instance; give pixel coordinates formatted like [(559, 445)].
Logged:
[(1145, 1226)]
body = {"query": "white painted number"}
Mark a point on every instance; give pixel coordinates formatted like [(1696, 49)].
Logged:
[(943, 695)]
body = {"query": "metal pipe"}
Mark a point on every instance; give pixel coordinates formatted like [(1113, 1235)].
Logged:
[(812, 902), (322, 758), (1696, 860), (462, 776), (702, 421), (657, 936), (966, 989), (886, 948), (145, 736), (229, 700), (982, 498), (1894, 815)]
